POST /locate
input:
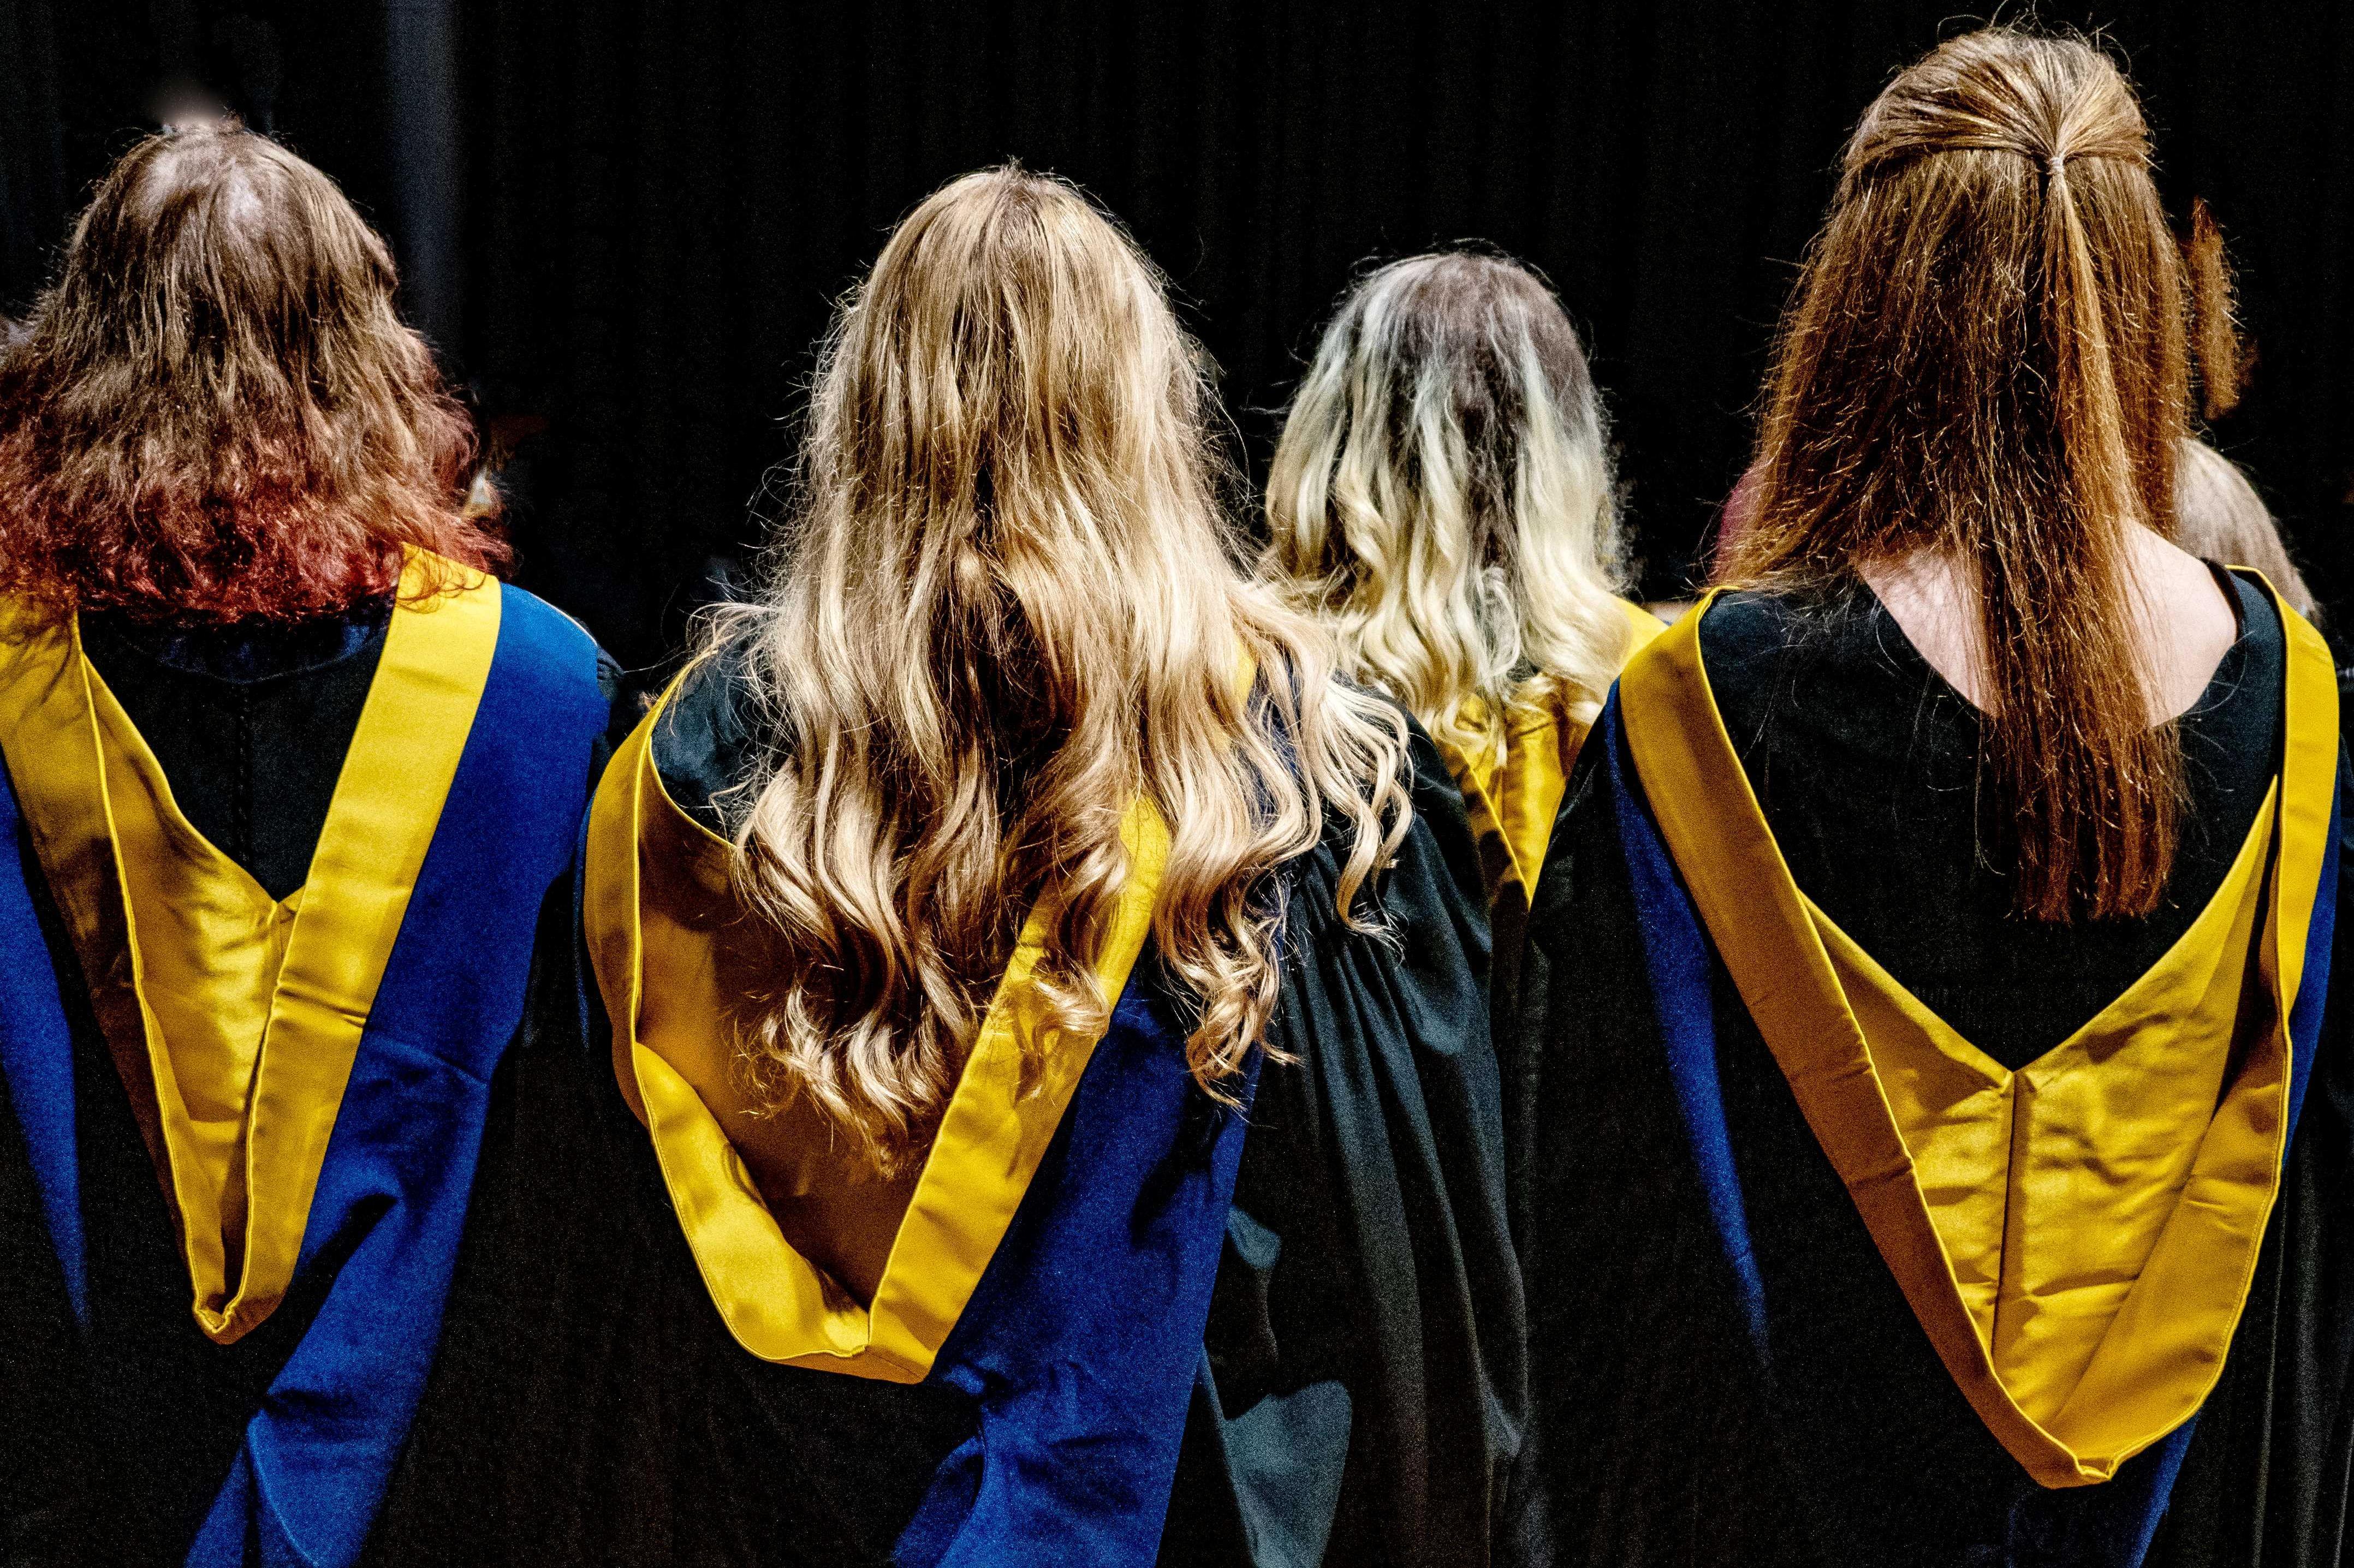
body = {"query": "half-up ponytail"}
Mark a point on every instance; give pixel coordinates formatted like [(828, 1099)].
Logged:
[(1987, 361)]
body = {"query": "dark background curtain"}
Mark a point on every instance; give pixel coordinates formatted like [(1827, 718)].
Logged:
[(625, 223)]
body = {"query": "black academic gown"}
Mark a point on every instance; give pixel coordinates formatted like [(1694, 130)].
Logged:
[(114, 1442), (1365, 1344), (1361, 1380), (1661, 1438)]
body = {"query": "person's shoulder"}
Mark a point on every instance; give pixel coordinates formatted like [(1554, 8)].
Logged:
[(548, 667), (536, 632), (1745, 636), (1746, 622), (2258, 655), (2260, 615), (1755, 638)]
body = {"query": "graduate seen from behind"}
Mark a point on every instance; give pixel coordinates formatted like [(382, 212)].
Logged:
[(1014, 936), (288, 778), (1941, 1154), (1441, 498)]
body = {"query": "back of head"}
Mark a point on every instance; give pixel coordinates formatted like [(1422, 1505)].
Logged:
[(1985, 361), (2220, 516), (1441, 497), (215, 412), (1005, 610)]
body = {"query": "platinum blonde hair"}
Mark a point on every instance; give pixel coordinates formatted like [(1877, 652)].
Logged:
[(1441, 497), (1007, 606)]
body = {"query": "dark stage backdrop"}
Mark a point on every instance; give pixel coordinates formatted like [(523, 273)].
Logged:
[(625, 223)]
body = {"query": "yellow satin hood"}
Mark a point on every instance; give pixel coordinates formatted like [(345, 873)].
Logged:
[(657, 909), (2077, 1237), (234, 1017), (1512, 798)]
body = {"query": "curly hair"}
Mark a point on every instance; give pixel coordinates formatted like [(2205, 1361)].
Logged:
[(217, 413), (1009, 605)]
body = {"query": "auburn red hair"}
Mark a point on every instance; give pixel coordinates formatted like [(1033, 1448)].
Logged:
[(217, 413), (1988, 358)]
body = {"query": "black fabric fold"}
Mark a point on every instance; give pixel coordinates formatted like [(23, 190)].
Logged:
[(249, 722), (1372, 1187)]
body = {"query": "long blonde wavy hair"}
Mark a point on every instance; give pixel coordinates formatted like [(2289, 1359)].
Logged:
[(1442, 498), (1007, 606)]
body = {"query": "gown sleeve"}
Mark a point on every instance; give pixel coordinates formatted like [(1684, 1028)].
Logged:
[(1362, 1395), (1632, 1327), (554, 1259), (2269, 1477), (42, 1457)]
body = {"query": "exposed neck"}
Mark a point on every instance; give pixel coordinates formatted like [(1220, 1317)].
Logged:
[(2183, 623)]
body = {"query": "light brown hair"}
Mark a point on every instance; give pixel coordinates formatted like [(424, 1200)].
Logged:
[(215, 412), (1986, 359), (1007, 606), (1441, 498)]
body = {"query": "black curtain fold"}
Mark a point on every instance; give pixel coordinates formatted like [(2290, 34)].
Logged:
[(625, 221)]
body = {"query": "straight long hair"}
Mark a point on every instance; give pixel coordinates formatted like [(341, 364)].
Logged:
[(1986, 359), (1441, 498), (1006, 607)]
